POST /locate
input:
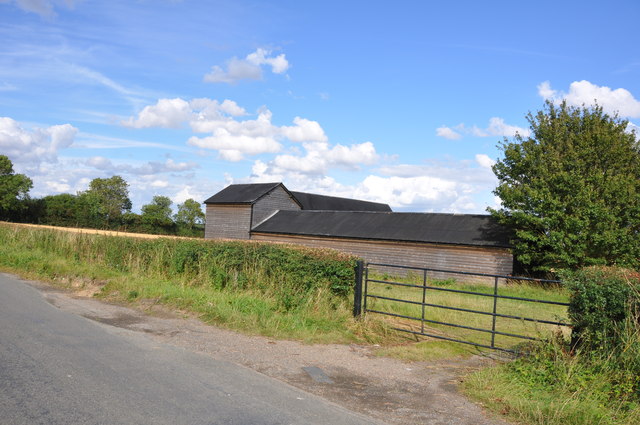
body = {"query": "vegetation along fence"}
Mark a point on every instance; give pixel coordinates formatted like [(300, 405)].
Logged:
[(484, 310)]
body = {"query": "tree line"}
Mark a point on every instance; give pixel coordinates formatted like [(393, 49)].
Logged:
[(104, 205)]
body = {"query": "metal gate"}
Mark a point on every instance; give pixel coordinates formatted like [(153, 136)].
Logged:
[(478, 308)]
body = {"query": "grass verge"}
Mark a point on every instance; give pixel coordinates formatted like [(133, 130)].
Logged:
[(272, 290), (552, 386)]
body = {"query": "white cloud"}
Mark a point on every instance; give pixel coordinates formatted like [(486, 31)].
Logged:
[(304, 130), (320, 157), (166, 113), (279, 64), (496, 128), (585, 93), (233, 147), (484, 160), (34, 146), (159, 184), (460, 187), (146, 169), (231, 133), (447, 133), (249, 68)]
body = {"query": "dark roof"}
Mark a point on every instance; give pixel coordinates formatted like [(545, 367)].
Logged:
[(242, 193), (456, 229), (310, 201)]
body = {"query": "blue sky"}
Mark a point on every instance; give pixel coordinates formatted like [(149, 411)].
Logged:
[(397, 102)]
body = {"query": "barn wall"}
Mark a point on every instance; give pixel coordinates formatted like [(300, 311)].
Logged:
[(277, 199), (227, 222), (446, 257)]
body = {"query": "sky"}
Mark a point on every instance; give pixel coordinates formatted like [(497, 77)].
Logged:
[(402, 102)]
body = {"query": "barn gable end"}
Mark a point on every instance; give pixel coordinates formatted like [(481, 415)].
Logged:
[(235, 210)]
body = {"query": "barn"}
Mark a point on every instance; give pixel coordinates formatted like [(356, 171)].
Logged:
[(370, 230)]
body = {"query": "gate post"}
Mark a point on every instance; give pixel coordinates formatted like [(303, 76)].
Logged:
[(357, 289)]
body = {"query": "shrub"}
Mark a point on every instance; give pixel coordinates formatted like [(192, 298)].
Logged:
[(604, 300)]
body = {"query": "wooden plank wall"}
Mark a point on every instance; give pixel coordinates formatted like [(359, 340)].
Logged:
[(445, 257), (227, 222), (277, 199)]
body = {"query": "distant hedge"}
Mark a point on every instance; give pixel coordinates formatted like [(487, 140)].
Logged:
[(290, 273)]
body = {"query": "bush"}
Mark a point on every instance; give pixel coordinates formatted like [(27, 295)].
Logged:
[(604, 301)]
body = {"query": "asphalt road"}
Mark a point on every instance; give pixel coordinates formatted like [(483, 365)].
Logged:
[(59, 368)]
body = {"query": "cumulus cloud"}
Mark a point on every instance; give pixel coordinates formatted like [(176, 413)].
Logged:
[(166, 113), (447, 133), (458, 187), (249, 68), (321, 156), (304, 130), (232, 133), (586, 93), (36, 145), (497, 128), (484, 160)]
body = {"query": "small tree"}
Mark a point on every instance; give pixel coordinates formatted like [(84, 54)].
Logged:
[(571, 191), (189, 214), (156, 216), (14, 189)]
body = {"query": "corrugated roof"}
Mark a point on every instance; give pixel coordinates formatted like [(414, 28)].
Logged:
[(311, 201), (242, 193), (456, 229)]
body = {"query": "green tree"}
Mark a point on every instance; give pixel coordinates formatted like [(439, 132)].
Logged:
[(189, 214), (60, 210), (112, 200), (156, 216), (571, 190), (14, 189)]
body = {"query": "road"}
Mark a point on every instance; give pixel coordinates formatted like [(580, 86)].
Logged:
[(60, 368)]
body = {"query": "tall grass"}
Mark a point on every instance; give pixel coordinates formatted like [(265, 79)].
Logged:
[(595, 381), (554, 386), (274, 290)]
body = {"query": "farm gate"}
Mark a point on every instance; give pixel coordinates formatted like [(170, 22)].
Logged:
[(483, 310)]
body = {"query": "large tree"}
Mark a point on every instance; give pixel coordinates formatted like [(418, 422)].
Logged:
[(189, 214), (108, 199), (14, 189), (571, 190)]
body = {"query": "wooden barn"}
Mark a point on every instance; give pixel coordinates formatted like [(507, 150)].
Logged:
[(270, 212)]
